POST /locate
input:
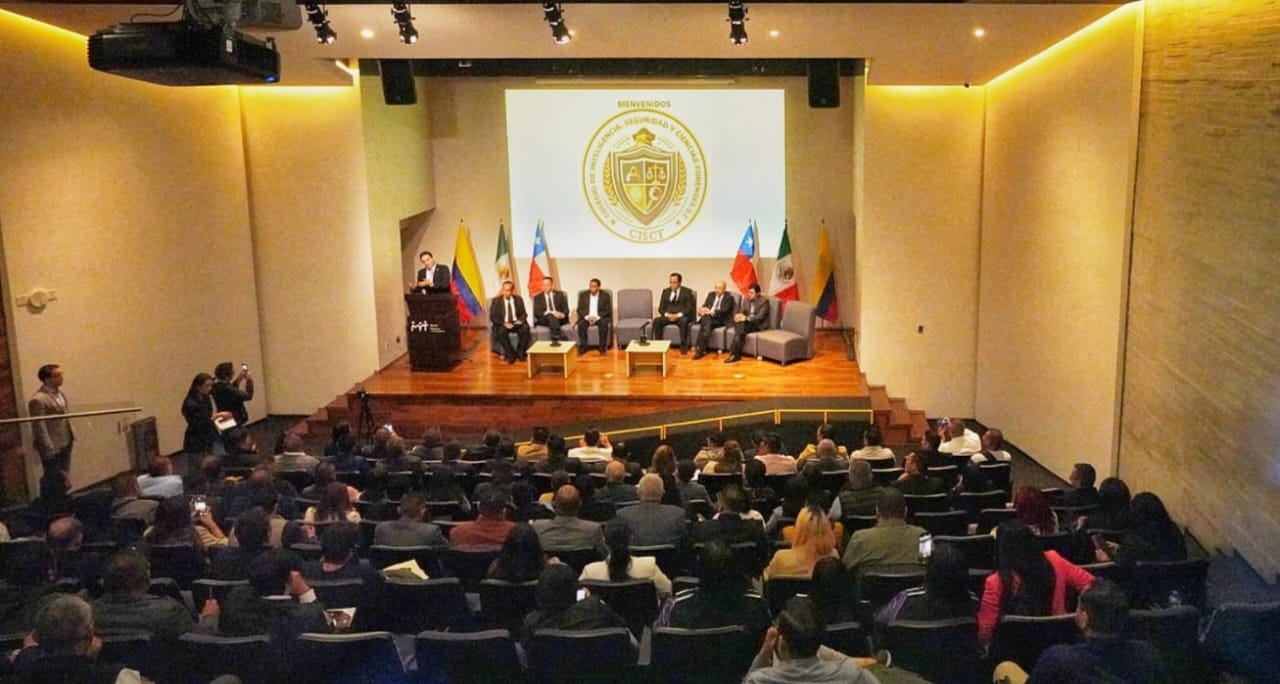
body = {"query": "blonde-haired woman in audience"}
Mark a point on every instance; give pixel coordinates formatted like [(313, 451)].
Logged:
[(815, 540), (730, 461)]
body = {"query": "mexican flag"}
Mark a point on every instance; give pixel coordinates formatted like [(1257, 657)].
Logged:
[(783, 285)]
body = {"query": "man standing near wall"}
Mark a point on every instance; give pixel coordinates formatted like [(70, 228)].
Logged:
[(53, 436)]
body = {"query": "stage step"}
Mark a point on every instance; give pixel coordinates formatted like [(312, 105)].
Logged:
[(900, 425)]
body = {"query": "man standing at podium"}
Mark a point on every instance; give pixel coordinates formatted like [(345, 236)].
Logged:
[(507, 315), (551, 308), (595, 308), (432, 277)]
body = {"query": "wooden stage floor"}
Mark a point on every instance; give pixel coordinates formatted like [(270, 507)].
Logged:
[(483, 391)]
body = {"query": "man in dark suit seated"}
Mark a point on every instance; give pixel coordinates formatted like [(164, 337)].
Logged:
[(559, 607), (1082, 492), (651, 521), (432, 277), (278, 601), (507, 315), (410, 529), (752, 316), (716, 312), (551, 308), (252, 533), (731, 526), (127, 607), (595, 308), (675, 307), (567, 531), (915, 478), (338, 560)]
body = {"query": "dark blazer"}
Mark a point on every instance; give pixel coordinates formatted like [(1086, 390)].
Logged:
[(498, 310), (604, 307), (245, 613), (439, 278), (757, 311), (557, 297), (653, 523), (683, 303), (201, 432), (723, 314), (733, 529)]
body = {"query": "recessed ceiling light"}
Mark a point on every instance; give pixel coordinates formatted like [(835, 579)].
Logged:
[(773, 33), (979, 32), (366, 33)]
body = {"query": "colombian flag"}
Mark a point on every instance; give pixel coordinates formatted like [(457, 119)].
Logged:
[(825, 296), (466, 282)]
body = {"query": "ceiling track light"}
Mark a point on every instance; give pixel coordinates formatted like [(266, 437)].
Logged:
[(737, 22), (400, 13), (319, 18), (553, 13)]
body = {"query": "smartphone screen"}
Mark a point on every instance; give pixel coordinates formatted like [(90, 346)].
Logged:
[(244, 366), (926, 546), (582, 593), (388, 426)]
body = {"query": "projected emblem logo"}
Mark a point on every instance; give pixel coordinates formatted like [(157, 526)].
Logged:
[(644, 175)]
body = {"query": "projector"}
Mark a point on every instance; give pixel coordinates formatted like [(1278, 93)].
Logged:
[(184, 53)]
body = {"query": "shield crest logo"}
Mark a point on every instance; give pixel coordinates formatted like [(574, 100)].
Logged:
[(644, 177)]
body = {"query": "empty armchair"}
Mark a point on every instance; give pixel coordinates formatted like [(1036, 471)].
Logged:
[(633, 309), (792, 339)]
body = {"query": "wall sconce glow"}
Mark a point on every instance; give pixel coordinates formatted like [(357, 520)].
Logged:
[(773, 33), (979, 32), (366, 33)]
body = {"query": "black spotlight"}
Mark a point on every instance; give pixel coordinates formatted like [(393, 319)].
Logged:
[(400, 13), (319, 18), (737, 22), (554, 15)]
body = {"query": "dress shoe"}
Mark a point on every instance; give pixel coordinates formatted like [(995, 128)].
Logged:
[(604, 352), (509, 359), (733, 358), (698, 354), (684, 351), (582, 348)]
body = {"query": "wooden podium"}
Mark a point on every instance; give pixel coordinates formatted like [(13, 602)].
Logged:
[(435, 342)]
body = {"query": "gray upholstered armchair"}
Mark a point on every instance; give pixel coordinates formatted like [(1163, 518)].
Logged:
[(793, 338)]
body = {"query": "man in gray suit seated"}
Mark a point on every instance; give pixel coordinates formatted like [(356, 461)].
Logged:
[(567, 531), (651, 521), (410, 530)]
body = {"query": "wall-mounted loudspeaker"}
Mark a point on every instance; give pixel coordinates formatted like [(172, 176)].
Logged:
[(397, 82), (824, 83)]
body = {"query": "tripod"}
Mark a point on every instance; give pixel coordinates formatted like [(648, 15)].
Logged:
[(364, 424)]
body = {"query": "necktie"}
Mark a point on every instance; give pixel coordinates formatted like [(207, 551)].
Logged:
[(673, 296), (511, 311), (716, 306), (550, 307)]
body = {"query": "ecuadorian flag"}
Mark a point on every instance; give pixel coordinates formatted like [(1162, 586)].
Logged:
[(824, 300), (466, 282)]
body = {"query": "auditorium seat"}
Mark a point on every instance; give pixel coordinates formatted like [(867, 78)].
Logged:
[(1241, 638), (975, 502), (979, 549), (668, 557), (714, 482), (927, 503), (412, 606), (1063, 543), (205, 657), (720, 655), (881, 463), (1149, 584), (598, 655), (300, 479), (469, 565), (181, 562), (949, 474), (834, 480), (575, 558), (356, 658), (853, 523), (204, 589), (636, 600), (381, 556), (1175, 633), (505, 604), (885, 476), (166, 587), (1067, 515), (938, 650), (947, 523), (792, 339), (999, 474), (878, 585), (345, 593), (457, 658), (1022, 638), (779, 590), (849, 638), (133, 650), (632, 309), (990, 518)]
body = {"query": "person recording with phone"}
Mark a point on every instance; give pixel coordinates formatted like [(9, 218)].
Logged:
[(228, 393)]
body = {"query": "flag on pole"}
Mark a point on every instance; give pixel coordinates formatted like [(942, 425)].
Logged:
[(466, 283), (744, 264), (824, 299), (539, 268), (504, 262), (783, 285)]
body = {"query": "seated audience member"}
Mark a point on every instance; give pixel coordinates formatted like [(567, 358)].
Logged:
[(125, 605), (559, 478), (334, 505), (592, 449), (487, 448), (827, 457), (536, 449), (399, 459), (338, 445), (861, 493), (377, 492), (175, 525), (732, 526), (915, 479), (689, 490), (789, 652), (160, 482), (651, 521), (1112, 511), (826, 431), (55, 495), (621, 566), (126, 501), (712, 449), (1033, 510), (1027, 581), (973, 480), (411, 529), (1103, 655), (65, 537), (1151, 536), (567, 531), (730, 460), (1082, 492), (28, 573), (293, 457), (521, 558), (491, 527), (432, 446), (814, 541), (834, 592), (960, 439), (622, 454), (872, 445), (278, 601), (992, 448), (795, 496), (338, 559), (891, 542), (248, 491), (525, 505), (376, 449), (268, 501), (252, 532), (590, 508), (723, 597), (66, 647), (929, 443), (210, 480), (757, 485), (557, 456), (559, 607), (775, 462), (944, 595), (616, 490), (242, 451), (443, 485), (324, 475)]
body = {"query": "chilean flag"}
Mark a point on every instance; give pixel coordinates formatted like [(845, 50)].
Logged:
[(744, 264), (539, 268)]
